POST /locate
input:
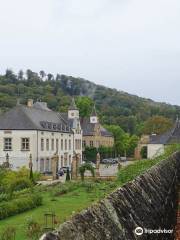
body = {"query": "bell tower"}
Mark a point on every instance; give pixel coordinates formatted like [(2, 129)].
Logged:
[(94, 117), (73, 111)]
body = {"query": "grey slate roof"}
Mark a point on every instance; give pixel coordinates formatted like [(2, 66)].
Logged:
[(171, 136), (41, 105), (32, 118), (71, 122), (89, 128)]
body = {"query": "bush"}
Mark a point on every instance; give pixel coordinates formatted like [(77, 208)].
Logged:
[(34, 229), (3, 197), (8, 233), (64, 188), (89, 186), (19, 205), (144, 152), (20, 184)]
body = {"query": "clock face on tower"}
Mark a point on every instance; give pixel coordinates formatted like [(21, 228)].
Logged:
[(93, 119)]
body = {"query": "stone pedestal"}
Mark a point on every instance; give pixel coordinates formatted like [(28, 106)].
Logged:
[(75, 166), (54, 163), (98, 158)]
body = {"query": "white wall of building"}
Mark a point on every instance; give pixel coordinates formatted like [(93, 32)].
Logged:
[(17, 157), (154, 150), (64, 145)]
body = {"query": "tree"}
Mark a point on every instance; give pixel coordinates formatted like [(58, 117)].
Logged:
[(20, 75), (50, 77), (144, 152), (58, 77), (157, 124), (31, 177), (84, 167), (118, 134), (85, 105), (90, 154), (124, 143), (29, 74), (106, 152), (12, 78), (42, 74), (129, 143)]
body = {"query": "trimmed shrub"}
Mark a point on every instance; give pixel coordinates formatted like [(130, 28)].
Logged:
[(20, 184), (19, 205)]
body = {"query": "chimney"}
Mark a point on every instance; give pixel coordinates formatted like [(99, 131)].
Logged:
[(30, 103)]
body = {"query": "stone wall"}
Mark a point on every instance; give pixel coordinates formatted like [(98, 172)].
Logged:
[(149, 202)]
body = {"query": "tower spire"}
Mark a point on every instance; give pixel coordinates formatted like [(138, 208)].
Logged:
[(94, 113), (73, 111), (73, 105), (94, 117)]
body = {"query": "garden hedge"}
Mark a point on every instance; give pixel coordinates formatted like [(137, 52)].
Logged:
[(19, 205)]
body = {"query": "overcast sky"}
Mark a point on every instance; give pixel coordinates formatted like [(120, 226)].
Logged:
[(131, 45)]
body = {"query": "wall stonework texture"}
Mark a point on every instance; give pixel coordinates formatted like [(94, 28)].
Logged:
[(149, 201)]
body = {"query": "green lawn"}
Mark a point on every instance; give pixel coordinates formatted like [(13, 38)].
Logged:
[(63, 206), (79, 196)]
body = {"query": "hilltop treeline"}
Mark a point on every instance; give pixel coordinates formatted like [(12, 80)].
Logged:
[(114, 107)]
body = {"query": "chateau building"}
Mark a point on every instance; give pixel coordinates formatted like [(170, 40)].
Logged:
[(94, 134), (37, 130), (155, 144)]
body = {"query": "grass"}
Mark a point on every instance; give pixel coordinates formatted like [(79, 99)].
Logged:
[(72, 197), (131, 171), (63, 205)]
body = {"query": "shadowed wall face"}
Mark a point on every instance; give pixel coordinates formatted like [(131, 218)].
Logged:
[(150, 201)]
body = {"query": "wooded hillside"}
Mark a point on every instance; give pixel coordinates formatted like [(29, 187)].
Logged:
[(114, 107)]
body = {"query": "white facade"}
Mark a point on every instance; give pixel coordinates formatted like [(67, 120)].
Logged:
[(17, 156), (154, 150), (42, 145), (46, 133)]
